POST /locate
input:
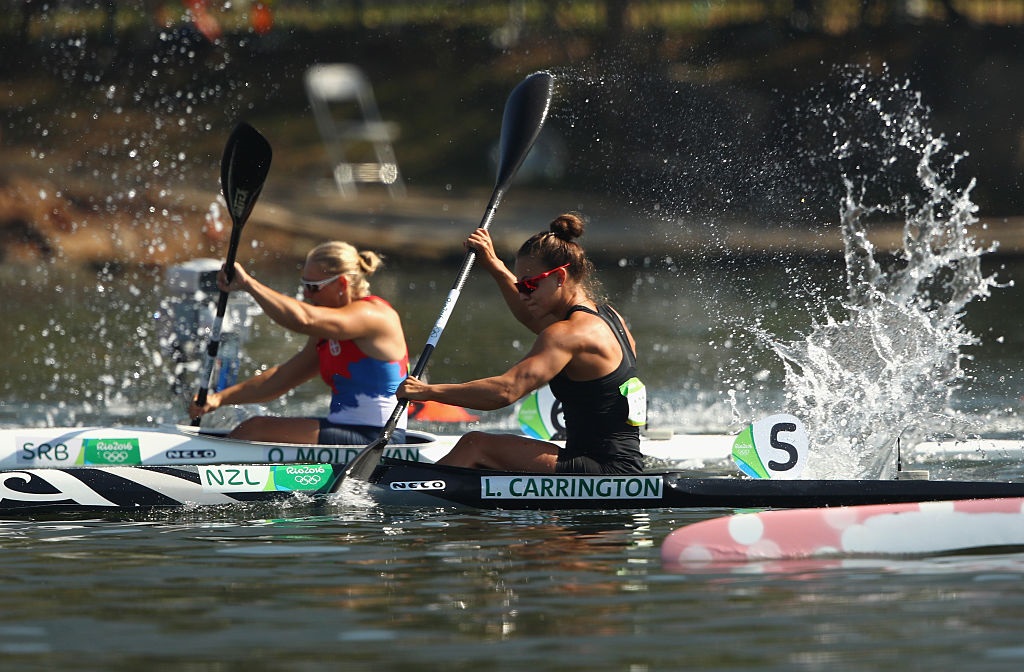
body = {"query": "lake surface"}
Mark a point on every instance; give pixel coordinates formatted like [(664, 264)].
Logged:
[(333, 589), (330, 586)]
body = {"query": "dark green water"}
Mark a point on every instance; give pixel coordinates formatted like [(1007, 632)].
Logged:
[(333, 589)]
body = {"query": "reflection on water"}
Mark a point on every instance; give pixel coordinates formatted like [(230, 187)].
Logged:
[(510, 590)]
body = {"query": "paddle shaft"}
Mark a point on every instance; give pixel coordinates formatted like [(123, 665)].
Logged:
[(442, 318), (218, 322), (523, 118)]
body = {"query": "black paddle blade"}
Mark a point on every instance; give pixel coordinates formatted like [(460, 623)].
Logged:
[(243, 170), (525, 112), (365, 463)]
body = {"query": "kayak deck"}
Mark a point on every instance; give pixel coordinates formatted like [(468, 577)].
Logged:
[(169, 445), (29, 448)]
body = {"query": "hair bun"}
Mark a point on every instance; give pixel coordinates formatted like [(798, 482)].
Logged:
[(567, 226), (369, 262)]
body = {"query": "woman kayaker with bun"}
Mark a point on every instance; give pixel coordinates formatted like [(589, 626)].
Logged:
[(582, 350), (355, 342)]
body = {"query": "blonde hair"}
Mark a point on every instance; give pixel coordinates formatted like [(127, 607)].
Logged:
[(340, 258)]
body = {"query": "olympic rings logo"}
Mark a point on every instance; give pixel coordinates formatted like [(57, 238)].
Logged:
[(115, 456), (308, 479)]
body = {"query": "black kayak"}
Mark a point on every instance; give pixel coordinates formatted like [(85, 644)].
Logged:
[(405, 483)]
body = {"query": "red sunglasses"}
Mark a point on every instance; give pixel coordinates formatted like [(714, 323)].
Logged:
[(528, 286)]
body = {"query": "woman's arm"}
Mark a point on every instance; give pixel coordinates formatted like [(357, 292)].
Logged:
[(358, 319), (549, 355), (480, 240), (269, 385)]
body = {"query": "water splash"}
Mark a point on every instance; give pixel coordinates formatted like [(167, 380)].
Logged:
[(123, 121), (893, 359)]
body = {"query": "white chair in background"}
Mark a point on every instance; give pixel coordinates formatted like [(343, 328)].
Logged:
[(349, 122)]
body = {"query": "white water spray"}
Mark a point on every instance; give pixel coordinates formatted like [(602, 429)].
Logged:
[(893, 360)]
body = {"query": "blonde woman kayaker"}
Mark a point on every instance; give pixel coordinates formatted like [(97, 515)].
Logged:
[(582, 350), (355, 342)]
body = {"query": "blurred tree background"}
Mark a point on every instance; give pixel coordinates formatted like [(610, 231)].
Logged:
[(693, 106)]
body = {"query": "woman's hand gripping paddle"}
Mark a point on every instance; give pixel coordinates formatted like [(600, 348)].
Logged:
[(525, 112), (243, 169)]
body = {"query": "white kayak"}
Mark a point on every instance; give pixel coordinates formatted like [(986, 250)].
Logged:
[(171, 444), (913, 528), (25, 448)]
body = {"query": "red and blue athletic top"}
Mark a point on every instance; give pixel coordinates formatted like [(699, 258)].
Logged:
[(362, 387)]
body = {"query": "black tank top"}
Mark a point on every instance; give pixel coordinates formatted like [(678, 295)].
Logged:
[(595, 411)]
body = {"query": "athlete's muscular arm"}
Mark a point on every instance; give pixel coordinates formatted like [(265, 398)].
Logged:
[(550, 354)]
